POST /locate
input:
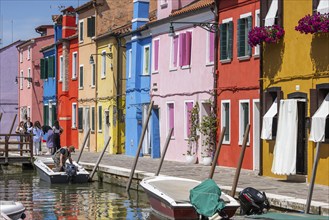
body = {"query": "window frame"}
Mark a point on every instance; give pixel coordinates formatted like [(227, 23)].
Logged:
[(81, 79), (74, 65), (146, 60), (81, 30), (74, 115), (228, 59), (168, 119), (186, 117), (223, 118), (248, 50), (241, 114)]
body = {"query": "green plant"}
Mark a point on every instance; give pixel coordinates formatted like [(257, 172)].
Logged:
[(208, 128), (193, 137)]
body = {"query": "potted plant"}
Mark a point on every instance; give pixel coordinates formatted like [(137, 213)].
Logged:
[(208, 128), (312, 24), (193, 136), (268, 34)]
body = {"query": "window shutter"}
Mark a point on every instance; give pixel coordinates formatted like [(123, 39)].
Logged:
[(156, 55), (46, 114), (267, 101), (280, 13), (182, 52), (222, 37), (175, 51), (265, 6), (92, 26), (313, 101), (51, 67), (230, 40), (81, 77), (240, 37), (188, 48), (249, 20), (42, 68), (211, 46), (89, 23), (80, 118), (279, 97), (93, 119), (54, 114)]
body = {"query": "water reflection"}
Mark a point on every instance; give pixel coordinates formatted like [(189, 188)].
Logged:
[(73, 201)]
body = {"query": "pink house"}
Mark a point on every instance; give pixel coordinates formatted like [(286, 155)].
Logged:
[(182, 71), (30, 87)]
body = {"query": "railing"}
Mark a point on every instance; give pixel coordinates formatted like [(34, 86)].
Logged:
[(24, 140)]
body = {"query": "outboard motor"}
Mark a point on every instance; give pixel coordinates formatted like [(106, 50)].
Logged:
[(253, 202), (71, 170)]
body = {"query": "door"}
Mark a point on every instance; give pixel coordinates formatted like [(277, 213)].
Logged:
[(87, 126), (106, 127), (301, 139), (256, 134), (147, 137)]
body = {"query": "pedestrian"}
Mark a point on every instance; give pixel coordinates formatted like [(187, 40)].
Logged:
[(57, 130), (37, 136), (49, 136), (28, 125), (21, 131), (60, 157)]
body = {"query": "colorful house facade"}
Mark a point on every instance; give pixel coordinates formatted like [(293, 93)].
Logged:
[(238, 83), (295, 86), (182, 74), (30, 84), (8, 92), (68, 76)]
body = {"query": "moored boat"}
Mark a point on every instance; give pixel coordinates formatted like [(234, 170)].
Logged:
[(14, 210), (47, 174), (169, 197)]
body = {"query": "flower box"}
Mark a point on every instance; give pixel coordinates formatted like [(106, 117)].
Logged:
[(269, 34), (311, 24)]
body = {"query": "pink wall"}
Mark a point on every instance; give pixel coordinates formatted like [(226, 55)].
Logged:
[(179, 86), (172, 5)]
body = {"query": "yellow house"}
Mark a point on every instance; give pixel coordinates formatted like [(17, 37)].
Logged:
[(294, 84)]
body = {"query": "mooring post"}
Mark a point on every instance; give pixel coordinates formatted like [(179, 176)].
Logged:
[(164, 151), (0, 116), (83, 145), (99, 159), (214, 162), (238, 169), (311, 186), (139, 146), (6, 149)]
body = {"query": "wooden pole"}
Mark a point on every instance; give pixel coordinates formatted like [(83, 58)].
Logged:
[(238, 169), (31, 145), (12, 127), (99, 159), (164, 151), (83, 145), (311, 186), (139, 146), (0, 116), (214, 162), (6, 149)]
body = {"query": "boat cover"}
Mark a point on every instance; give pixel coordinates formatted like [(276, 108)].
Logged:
[(205, 198)]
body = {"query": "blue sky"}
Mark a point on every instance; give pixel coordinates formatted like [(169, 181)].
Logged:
[(19, 18)]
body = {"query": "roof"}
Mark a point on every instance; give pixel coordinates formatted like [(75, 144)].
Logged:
[(10, 45), (85, 6), (124, 29), (32, 40), (47, 47), (43, 27), (194, 6)]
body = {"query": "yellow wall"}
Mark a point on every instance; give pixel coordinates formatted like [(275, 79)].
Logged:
[(297, 60)]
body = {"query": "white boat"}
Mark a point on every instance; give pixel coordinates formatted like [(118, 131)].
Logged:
[(170, 197), (46, 173), (14, 210)]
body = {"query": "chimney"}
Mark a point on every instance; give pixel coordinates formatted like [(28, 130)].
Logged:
[(69, 26), (141, 13)]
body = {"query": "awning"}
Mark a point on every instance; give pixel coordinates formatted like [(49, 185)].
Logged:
[(318, 126), (323, 6), (268, 121), (270, 17)]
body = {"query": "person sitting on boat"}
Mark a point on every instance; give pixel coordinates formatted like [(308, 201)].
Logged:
[(61, 156)]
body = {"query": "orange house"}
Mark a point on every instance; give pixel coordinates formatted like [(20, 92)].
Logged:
[(238, 82), (67, 78)]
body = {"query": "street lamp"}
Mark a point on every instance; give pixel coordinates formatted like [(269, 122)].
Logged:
[(29, 79), (91, 59)]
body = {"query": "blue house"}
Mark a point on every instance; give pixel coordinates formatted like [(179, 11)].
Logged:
[(138, 73)]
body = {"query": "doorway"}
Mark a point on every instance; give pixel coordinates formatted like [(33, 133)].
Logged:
[(106, 127), (87, 126), (256, 134), (147, 137), (301, 139)]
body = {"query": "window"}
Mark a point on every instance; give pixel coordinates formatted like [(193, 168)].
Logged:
[(91, 26), (163, 3), (61, 68), (46, 114), (80, 118), (272, 11), (174, 53), (244, 26), (103, 69), (21, 80), (210, 48), (80, 31), (81, 77), (257, 24), (226, 40), (243, 118), (74, 65), (100, 121), (29, 53), (321, 6), (226, 119), (29, 112), (185, 43), (130, 62), (51, 66), (171, 118), (28, 75), (93, 75), (156, 55), (21, 56), (74, 115), (146, 60), (92, 118), (187, 121)]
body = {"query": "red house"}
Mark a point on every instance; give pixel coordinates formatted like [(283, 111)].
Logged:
[(67, 78), (238, 82)]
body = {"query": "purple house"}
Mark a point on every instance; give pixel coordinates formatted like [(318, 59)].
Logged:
[(8, 89)]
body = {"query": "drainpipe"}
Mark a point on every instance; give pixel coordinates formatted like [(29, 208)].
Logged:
[(261, 97), (119, 73), (215, 71)]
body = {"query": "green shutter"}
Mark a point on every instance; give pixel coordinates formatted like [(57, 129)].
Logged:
[(230, 40), (51, 66), (89, 27), (249, 20), (80, 118), (240, 37), (46, 68), (42, 68), (53, 114), (222, 38), (46, 115), (93, 119)]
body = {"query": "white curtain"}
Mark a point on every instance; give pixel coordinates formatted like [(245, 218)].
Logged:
[(284, 161), (268, 121), (318, 126), (270, 17), (323, 6)]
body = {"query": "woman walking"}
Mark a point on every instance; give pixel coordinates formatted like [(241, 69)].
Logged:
[(37, 136), (57, 130)]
